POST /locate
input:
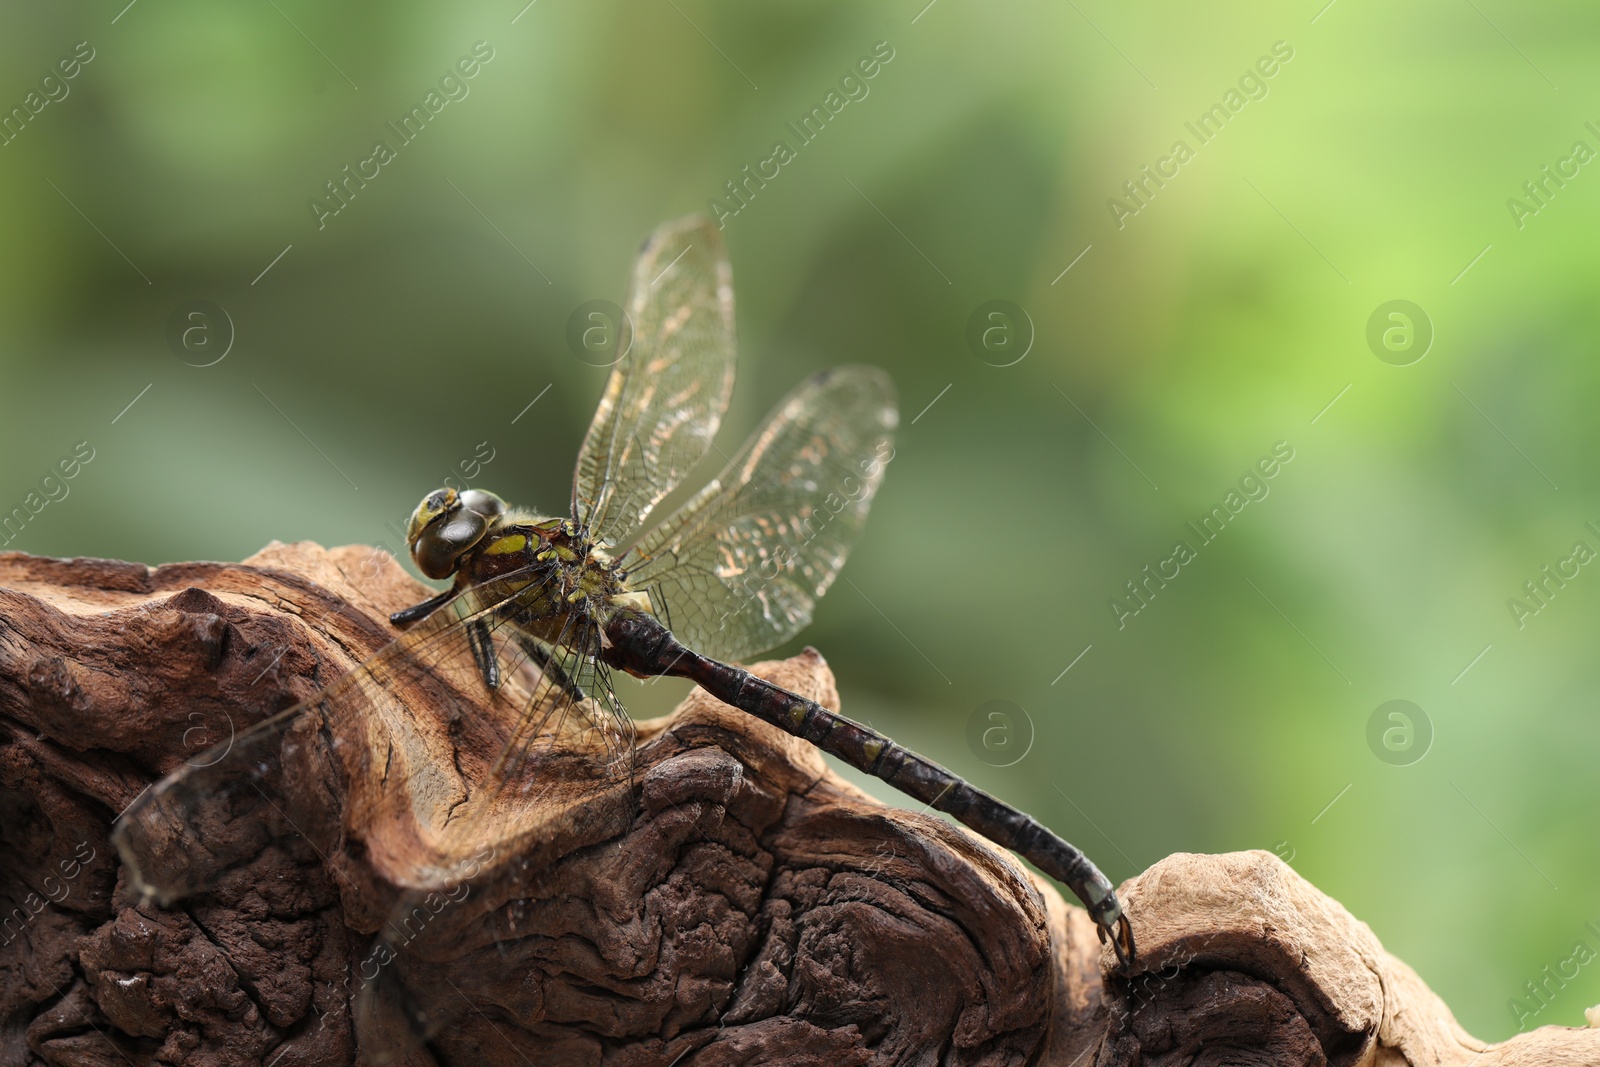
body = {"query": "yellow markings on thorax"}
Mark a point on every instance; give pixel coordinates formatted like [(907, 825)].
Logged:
[(506, 545), (637, 599)]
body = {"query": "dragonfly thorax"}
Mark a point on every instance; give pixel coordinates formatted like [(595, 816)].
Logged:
[(565, 581)]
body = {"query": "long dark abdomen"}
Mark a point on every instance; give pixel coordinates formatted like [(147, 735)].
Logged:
[(642, 645)]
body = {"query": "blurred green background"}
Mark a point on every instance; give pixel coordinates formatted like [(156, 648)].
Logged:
[(1223, 317)]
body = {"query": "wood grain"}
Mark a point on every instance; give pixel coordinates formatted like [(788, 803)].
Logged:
[(734, 903)]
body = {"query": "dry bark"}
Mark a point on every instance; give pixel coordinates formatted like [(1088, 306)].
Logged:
[(735, 903)]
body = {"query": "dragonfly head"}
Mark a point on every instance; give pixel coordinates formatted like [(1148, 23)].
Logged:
[(446, 526)]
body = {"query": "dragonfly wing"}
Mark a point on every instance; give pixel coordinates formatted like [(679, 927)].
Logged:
[(227, 804), (224, 806), (738, 569), (181, 833), (550, 750), (562, 781), (572, 711), (667, 391)]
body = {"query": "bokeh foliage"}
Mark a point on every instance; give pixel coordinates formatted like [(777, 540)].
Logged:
[(1219, 319)]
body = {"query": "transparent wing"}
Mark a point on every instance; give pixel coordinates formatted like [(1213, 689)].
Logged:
[(179, 835), (572, 706), (666, 394), (409, 770), (738, 569), (468, 903)]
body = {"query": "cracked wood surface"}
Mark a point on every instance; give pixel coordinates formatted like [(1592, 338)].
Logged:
[(735, 903)]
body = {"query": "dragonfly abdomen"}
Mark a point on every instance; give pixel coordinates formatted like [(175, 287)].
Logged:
[(640, 644), (871, 752)]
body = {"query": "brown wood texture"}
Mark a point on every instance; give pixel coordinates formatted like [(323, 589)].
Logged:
[(736, 903)]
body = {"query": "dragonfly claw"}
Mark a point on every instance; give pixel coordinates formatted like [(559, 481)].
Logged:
[(1121, 941)]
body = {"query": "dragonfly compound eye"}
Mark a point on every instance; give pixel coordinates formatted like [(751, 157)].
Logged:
[(483, 502), (439, 548), (435, 505)]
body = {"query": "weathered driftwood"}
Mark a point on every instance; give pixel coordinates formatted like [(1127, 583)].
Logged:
[(740, 904)]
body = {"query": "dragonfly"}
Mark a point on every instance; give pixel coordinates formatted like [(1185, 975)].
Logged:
[(542, 610)]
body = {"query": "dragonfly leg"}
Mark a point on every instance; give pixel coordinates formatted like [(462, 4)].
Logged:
[(406, 616), (1121, 940), (549, 666), (483, 652)]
